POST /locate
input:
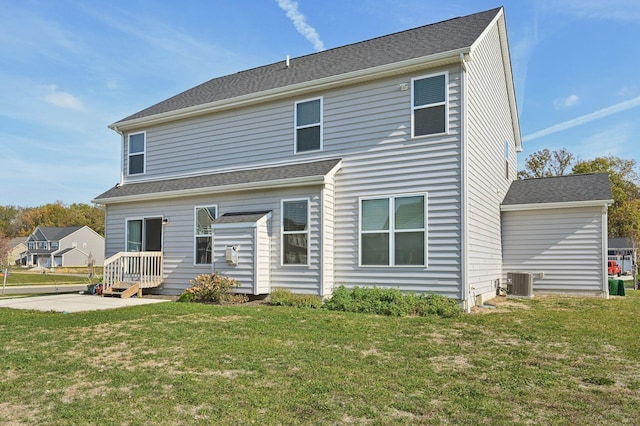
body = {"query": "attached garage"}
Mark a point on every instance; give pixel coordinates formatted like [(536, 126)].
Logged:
[(556, 229)]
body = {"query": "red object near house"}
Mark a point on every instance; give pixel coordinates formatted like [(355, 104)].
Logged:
[(613, 268)]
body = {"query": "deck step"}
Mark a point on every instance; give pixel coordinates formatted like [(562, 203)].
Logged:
[(123, 290)]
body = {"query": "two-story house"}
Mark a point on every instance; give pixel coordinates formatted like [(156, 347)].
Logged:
[(69, 246), (380, 163)]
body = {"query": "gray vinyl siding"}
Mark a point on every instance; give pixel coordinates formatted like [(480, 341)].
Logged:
[(245, 271), (565, 245), (369, 127), (383, 160), (489, 126), (88, 241), (178, 234)]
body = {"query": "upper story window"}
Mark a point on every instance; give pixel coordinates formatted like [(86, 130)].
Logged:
[(429, 105), (295, 232), (308, 118), (204, 217), (393, 231), (136, 153)]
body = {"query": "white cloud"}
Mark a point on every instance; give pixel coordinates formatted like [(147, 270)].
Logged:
[(605, 112), (63, 99), (567, 102), (300, 22)]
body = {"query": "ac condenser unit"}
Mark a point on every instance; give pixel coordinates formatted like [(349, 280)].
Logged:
[(520, 284)]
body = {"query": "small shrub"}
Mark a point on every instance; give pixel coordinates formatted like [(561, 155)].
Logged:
[(283, 297), (213, 288), (390, 302)]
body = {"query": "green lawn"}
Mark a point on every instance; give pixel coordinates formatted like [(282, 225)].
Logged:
[(24, 278), (543, 361)]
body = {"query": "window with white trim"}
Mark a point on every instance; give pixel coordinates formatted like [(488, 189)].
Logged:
[(136, 150), (429, 105), (393, 231), (203, 240), (308, 119), (295, 232)]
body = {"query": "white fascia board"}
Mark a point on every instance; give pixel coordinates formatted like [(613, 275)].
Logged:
[(499, 20), (271, 184), (381, 71), (563, 205)]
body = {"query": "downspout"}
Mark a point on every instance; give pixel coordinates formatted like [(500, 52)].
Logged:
[(466, 290), (605, 250)]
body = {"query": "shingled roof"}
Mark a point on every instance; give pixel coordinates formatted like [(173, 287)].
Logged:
[(271, 176), (425, 41), (583, 188)]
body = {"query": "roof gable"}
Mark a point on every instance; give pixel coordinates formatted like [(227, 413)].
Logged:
[(446, 36), (593, 188)]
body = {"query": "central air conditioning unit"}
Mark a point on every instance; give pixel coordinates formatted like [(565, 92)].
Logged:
[(520, 284)]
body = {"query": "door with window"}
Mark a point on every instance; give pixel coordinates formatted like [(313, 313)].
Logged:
[(144, 234)]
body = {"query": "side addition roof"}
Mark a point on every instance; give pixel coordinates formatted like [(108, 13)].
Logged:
[(559, 191), (266, 177), (337, 66)]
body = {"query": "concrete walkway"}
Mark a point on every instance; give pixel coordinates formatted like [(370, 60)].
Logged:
[(73, 302)]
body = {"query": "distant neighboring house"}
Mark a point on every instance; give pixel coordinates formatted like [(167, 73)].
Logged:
[(70, 246), (17, 246), (625, 252)]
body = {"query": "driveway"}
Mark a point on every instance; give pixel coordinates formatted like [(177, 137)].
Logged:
[(73, 302)]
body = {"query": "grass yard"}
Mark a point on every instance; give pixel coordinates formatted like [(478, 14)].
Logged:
[(548, 360), (29, 278)]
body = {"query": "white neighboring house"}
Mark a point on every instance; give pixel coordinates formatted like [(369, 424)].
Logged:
[(380, 163), (17, 246), (69, 246)]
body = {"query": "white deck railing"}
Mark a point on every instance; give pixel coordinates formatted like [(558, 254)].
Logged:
[(144, 268)]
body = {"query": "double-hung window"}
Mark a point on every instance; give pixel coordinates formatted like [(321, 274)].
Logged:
[(393, 231), (429, 105), (308, 118), (203, 243), (295, 232), (136, 153)]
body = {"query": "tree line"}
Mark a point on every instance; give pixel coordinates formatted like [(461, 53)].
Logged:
[(624, 213), (21, 221)]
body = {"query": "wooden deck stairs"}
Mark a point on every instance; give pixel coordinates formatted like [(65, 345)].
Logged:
[(123, 290)]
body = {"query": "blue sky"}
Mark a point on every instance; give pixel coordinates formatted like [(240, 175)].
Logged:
[(70, 68)]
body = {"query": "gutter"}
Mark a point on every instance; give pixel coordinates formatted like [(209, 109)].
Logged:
[(271, 184), (558, 205), (378, 72)]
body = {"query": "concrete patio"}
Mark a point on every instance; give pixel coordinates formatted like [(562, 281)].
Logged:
[(73, 302)]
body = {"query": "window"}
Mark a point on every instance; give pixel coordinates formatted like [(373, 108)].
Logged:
[(143, 234), (295, 232), (393, 231), (429, 105), (136, 153), (308, 118), (204, 216)]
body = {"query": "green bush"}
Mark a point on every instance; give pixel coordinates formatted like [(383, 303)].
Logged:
[(390, 302), (213, 288), (283, 297)]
